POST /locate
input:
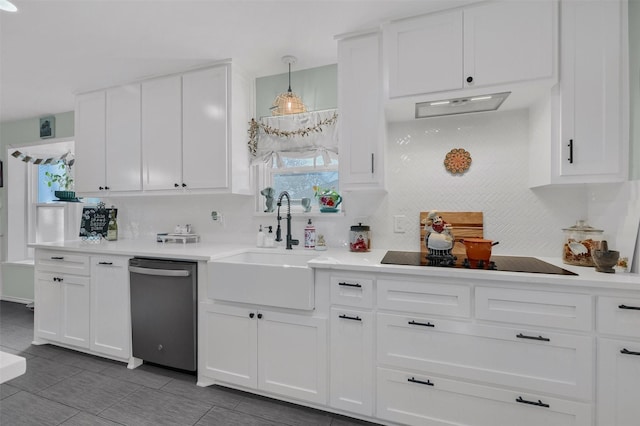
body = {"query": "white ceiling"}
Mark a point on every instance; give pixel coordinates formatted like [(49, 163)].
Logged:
[(53, 49)]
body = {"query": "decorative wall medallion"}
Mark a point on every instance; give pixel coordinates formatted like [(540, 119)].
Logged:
[(457, 161)]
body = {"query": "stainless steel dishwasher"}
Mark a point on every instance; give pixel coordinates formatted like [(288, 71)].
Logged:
[(164, 311)]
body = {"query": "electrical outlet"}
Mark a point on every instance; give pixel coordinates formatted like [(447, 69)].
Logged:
[(399, 223), (217, 217)]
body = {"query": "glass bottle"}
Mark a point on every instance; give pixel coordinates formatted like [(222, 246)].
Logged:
[(112, 228)]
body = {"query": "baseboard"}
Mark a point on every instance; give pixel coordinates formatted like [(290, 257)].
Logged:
[(15, 299)]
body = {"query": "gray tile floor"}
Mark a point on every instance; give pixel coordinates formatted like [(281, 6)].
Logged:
[(64, 387)]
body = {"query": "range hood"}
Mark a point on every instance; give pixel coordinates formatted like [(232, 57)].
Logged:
[(465, 105)]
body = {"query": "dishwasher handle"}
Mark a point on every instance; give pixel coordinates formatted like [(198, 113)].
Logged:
[(160, 272)]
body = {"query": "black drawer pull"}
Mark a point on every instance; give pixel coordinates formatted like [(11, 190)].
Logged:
[(421, 382), (537, 404), (522, 336), (633, 308), (105, 263), (350, 318), (570, 145), (628, 352), (58, 279), (57, 257), (350, 285), (428, 324)]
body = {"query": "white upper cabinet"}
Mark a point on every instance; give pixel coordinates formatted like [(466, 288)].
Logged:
[(361, 122), (123, 150), (205, 150), (108, 140), (491, 44), (586, 139), (184, 131), (593, 91), (162, 133), (90, 122), (425, 54)]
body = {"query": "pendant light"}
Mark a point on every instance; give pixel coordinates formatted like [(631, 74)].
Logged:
[(7, 6), (288, 102)]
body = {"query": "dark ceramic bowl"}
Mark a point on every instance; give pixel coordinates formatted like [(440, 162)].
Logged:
[(605, 260)]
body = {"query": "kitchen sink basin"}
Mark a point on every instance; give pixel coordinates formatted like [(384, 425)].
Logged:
[(266, 278)]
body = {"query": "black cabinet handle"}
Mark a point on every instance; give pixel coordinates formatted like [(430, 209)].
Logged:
[(469, 79), (259, 316), (57, 257), (628, 352), (633, 308), (105, 263), (58, 279), (372, 163), (420, 382), (106, 188), (537, 404), (522, 336), (356, 318), (570, 145), (175, 185), (251, 315), (428, 324), (350, 285), (184, 185)]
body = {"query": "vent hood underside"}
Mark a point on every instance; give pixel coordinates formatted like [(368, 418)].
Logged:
[(464, 105)]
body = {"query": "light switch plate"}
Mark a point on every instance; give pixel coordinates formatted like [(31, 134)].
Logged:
[(399, 223)]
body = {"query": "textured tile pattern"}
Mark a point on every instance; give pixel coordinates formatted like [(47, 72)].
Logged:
[(64, 387)]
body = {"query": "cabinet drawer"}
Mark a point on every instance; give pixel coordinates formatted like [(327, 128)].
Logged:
[(425, 297), (541, 361), (619, 315), (422, 400), (62, 262), (352, 291), (558, 310)]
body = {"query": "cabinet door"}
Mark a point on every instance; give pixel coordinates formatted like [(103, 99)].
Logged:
[(110, 313), (75, 306), (205, 149), (162, 133), (47, 297), (292, 359), (351, 350), (123, 148), (593, 144), (230, 344), (618, 378), (361, 118), (509, 42), (424, 54), (90, 125)]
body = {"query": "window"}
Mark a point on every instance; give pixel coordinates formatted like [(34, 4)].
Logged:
[(295, 153)]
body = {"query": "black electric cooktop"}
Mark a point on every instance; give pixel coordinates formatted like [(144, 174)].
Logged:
[(497, 263)]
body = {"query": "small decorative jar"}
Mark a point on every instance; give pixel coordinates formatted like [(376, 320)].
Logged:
[(580, 241), (360, 238)]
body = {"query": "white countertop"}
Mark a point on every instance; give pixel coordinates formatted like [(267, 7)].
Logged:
[(343, 259), (11, 366)]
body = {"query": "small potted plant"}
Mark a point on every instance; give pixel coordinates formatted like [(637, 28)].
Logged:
[(64, 179)]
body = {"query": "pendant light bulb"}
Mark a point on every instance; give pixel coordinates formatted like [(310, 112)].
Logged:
[(288, 102)]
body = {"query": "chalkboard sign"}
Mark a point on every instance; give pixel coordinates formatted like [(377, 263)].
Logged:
[(95, 221)]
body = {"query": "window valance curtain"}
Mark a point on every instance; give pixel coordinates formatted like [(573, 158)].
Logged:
[(305, 135)]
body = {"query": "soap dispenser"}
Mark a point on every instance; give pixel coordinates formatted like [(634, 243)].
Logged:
[(269, 239), (310, 236), (260, 240)]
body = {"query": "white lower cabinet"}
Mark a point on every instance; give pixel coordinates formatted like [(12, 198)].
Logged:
[(542, 361), (276, 352), (351, 360), (62, 313), (426, 400), (618, 379), (110, 308)]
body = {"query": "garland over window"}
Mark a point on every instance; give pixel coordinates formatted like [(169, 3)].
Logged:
[(270, 129)]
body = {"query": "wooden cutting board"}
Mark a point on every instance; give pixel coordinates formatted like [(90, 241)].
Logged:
[(463, 225)]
